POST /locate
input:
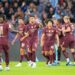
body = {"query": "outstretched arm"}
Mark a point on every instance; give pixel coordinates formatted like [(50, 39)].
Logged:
[(26, 35), (17, 35)]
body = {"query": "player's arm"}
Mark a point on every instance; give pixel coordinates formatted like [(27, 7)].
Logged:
[(12, 29), (60, 29), (57, 40), (66, 30), (25, 35), (17, 35), (42, 39)]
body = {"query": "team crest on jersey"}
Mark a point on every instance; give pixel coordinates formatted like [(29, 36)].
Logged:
[(49, 31), (32, 27)]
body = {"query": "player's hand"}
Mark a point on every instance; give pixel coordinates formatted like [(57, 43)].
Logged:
[(27, 34)]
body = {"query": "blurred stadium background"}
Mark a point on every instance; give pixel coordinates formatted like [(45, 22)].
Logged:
[(44, 9)]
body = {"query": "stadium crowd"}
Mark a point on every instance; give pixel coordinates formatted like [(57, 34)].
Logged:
[(42, 10)]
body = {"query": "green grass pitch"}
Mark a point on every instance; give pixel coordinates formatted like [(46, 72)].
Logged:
[(41, 69)]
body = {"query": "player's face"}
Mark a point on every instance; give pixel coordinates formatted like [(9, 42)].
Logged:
[(49, 25), (66, 20), (1, 19), (20, 21), (31, 19), (69, 20), (55, 21)]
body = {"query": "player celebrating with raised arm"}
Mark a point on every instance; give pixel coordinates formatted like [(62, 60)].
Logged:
[(48, 39), (22, 35), (69, 41), (32, 29)]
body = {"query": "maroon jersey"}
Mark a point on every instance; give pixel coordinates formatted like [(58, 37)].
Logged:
[(49, 38), (22, 29), (49, 35), (60, 34), (73, 27), (4, 30), (66, 26), (59, 28), (69, 40), (33, 30), (33, 36)]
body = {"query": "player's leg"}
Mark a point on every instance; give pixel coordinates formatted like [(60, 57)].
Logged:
[(54, 56), (59, 54), (1, 68), (73, 53), (0, 58), (22, 51), (29, 48), (45, 54), (65, 53), (25, 54), (30, 55), (51, 52), (6, 52), (51, 56), (34, 48), (64, 46), (33, 55), (72, 48), (33, 58), (22, 55), (60, 48)]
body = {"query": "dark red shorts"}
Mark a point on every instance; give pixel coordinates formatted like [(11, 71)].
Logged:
[(69, 41), (61, 40), (48, 46), (23, 44), (4, 47), (33, 44)]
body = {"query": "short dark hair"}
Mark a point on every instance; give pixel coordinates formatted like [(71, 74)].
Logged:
[(46, 21)]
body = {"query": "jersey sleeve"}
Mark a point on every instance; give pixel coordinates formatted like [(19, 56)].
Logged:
[(7, 26)]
